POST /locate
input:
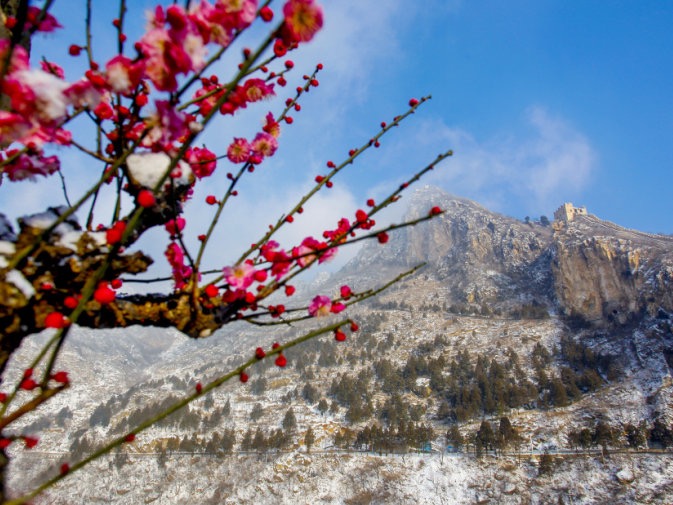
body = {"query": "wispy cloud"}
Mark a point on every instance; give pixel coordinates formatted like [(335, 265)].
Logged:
[(552, 161)]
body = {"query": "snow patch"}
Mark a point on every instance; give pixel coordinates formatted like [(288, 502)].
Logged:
[(46, 219), (147, 169), (6, 231), (15, 277), (70, 239)]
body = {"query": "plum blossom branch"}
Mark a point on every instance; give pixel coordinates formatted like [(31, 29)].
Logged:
[(31, 405), (234, 180), (121, 90), (200, 390), (94, 279), (218, 54), (322, 181), (356, 298)]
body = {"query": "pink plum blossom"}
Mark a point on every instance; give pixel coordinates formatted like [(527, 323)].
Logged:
[(27, 166), (303, 19), (264, 144), (13, 127), (320, 306), (52, 68), (19, 59), (271, 126), (176, 258), (48, 23), (83, 94), (122, 74), (255, 90), (239, 276), (238, 151), (202, 161), (169, 51)]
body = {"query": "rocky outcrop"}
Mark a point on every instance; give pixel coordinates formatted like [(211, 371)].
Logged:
[(484, 259), (588, 269), (606, 274)]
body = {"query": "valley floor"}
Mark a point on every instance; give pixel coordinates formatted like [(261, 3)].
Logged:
[(353, 479)]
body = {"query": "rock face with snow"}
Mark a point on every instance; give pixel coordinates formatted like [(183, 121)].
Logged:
[(483, 258), (533, 277), (590, 269), (608, 274)]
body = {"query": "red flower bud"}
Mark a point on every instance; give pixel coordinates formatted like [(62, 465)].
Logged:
[(70, 302), (146, 198), (281, 361), (114, 234), (61, 377), (104, 294), (55, 320), (260, 275), (28, 384), (360, 216)]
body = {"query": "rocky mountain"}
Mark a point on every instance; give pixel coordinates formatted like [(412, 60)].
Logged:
[(564, 329), (484, 259), (588, 268), (606, 274)]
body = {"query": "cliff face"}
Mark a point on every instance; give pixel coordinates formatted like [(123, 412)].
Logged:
[(483, 259), (593, 270), (607, 274)]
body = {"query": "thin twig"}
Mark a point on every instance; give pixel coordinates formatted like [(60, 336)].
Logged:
[(357, 298), (65, 189), (176, 406)]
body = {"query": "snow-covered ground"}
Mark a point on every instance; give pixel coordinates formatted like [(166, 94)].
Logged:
[(349, 479)]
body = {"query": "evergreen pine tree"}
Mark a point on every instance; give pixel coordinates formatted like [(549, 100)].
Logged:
[(289, 421), (309, 439)]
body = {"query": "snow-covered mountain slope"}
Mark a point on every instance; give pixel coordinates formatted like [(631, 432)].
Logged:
[(497, 322)]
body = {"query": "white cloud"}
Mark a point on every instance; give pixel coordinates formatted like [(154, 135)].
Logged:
[(551, 162), (248, 218)]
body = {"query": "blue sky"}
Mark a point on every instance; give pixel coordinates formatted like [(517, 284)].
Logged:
[(542, 101)]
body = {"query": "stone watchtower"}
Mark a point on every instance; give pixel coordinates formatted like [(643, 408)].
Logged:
[(568, 211)]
